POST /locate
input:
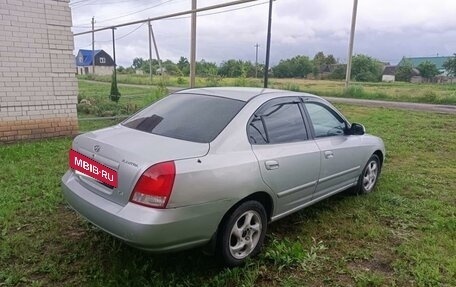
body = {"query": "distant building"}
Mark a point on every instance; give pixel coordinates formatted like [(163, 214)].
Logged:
[(326, 70), (389, 74), (161, 71), (437, 61), (104, 64)]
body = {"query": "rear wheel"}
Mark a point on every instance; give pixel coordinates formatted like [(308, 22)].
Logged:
[(242, 234), (368, 178)]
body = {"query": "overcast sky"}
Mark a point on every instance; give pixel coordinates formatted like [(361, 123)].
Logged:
[(385, 29)]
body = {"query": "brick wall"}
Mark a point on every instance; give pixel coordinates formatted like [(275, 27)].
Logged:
[(38, 88)]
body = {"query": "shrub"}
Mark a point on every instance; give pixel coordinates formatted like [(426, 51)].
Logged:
[(356, 91), (181, 81), (213, 80), (115, 94), (240, 82)]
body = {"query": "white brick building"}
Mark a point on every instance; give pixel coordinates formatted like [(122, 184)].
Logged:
[(38, 88)]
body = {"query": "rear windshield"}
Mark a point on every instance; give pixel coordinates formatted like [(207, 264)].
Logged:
[(190, 117)]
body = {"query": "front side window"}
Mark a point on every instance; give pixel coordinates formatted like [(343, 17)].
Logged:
[(277, 123), (325, 122), (102, 60), (190, 117)]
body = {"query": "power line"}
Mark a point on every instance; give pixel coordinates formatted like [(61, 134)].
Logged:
[(102, 3), (80, 2), (130, 13), (220, 12), (198, 15), (123, 36), (217, 6), (135, 12)]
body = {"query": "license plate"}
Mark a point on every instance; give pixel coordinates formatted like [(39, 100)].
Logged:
[(89, 167)]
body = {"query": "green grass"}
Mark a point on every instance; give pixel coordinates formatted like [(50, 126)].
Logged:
[(398, 91), (93, 99), (402, 234)]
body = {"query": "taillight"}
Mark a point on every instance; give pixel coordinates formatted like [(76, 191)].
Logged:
[(154, 187)]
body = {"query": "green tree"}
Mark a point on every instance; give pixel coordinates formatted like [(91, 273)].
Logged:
[(450, 66), (236, 68), (428, 70), (338, 73), (171, 68), (299, 66), (365, 69), (320, 59), (404, 71), (205, 69), (145, 66), (137, 63), (184, 66), (330, 60)]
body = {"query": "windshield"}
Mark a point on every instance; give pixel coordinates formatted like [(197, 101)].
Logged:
[(190, 117)]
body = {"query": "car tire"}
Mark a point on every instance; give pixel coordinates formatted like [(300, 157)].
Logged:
[(241, 234), (369, 177)]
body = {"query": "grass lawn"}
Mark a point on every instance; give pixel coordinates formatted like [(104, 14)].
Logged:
[(402, 234), (94, 100), (398, 91)]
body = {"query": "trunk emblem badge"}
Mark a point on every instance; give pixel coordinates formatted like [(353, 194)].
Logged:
[(96, 148)]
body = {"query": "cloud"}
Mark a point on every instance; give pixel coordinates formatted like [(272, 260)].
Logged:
[(386, 29)]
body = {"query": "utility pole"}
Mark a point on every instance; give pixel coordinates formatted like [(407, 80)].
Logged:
[(114, 54), (93, 45), (156, 49), (268, 46), (256, 59), (193, 47), (350, 46), (150, 51)]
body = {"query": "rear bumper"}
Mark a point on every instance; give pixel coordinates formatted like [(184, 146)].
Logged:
[(156, 230)]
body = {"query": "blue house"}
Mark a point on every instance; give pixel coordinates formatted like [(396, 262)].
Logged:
[(104, 64)]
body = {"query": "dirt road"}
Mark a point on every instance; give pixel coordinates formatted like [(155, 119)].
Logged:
[(447, 109)]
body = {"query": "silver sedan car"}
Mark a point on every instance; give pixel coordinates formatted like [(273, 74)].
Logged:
[(216, 165)]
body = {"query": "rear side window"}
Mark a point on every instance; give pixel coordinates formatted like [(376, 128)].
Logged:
[(277, 123), (190, 117)]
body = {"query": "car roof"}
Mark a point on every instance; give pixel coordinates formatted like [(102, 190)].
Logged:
[(241, 93)]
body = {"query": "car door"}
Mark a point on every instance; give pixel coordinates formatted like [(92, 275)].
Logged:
[(289, 161), (341, 155)]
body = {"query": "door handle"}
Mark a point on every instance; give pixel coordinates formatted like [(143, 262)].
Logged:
[(271, 164), (329, 154)]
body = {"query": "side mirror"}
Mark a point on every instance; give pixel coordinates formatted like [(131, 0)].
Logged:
[(357, 129)]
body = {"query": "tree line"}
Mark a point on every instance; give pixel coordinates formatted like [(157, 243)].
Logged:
[(364, 68)]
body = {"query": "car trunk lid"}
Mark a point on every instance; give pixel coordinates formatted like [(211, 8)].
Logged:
[(129, 152)]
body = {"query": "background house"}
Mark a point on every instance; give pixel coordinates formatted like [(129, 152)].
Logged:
[(437, 61), (389, 74), (104, 64)]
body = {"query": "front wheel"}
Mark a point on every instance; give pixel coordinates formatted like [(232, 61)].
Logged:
[(368, 178), (242, 234)]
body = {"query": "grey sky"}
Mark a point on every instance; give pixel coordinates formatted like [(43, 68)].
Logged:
[(386, 29)]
